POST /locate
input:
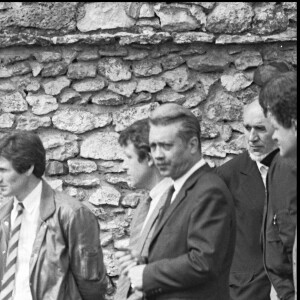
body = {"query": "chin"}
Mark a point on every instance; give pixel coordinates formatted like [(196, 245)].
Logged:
[(257, 157)]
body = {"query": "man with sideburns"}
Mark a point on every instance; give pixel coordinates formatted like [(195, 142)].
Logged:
[(192, 246), (143, 174)]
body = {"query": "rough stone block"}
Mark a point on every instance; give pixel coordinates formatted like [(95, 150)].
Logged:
[(55, 69), (105, 195), (268, 18), (77, 166), (102, 145), (208, 63), (248, 59), (174, 18), (30, 122), (172, 61), (104, 15), (114, 69), (146, 68), (42, 104), (68, 95), (56, 168), (82, 70), (46, 56), (88, 54), (13, 102), (126, 117), (230, 17), (55, 86), (235, 82), (151, 85), (79, 121), (123, 88), (168, 95), (179, 79), (107, 98), (7, 120), (89, 85)]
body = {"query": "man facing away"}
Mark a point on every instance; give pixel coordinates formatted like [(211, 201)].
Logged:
[(278, 98), (143, 175), (49, 242), (245, 176), (192, 246)]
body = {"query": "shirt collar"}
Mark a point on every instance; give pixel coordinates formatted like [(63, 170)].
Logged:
[(260, 165), (32, 200), (163, 185), (178, 183)]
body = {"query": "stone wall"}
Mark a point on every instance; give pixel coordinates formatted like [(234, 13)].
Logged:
[(78, 73)]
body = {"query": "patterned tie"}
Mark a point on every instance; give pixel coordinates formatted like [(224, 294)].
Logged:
[(8, 281)]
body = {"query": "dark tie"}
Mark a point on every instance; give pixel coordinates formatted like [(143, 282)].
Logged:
[(8, 281), (167, 204)]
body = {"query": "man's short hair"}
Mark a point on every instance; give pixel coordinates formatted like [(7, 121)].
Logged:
[(138, 134), (172, 113), (24, 149), (279, 97)]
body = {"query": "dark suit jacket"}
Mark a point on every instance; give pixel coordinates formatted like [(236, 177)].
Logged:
[(248, 279), (279, 225), (192, 246)]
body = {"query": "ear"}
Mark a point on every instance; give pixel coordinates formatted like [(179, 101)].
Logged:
[(194, 144), (29, 171), (150, 160)]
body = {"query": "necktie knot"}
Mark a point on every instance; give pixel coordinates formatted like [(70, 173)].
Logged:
[(20, 207)]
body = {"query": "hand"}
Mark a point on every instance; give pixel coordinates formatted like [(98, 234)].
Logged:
[(135, 275), (126, 259)]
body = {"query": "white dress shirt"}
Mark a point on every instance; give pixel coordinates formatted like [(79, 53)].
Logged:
[(156, 194), (28, 230), (178, 183), (263, 171)]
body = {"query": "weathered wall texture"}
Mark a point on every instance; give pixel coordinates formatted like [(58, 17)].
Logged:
[(78, 73)]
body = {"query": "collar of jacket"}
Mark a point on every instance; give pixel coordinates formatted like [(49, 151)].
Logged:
[(47, 205)]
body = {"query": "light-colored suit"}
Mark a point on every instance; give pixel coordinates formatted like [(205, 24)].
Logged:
[(140, 245)]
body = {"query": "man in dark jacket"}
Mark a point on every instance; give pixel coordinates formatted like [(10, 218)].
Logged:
[(245, 176), (49, 242), (279, 101), (192, 245)]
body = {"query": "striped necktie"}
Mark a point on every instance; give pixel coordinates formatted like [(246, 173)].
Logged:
[(8, 280)]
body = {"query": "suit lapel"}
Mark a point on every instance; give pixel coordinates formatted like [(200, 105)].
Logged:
[(47, 208), (151, 221), (179, 198), (250, 176)]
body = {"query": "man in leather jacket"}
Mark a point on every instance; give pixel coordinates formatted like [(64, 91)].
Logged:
[(58, 245)]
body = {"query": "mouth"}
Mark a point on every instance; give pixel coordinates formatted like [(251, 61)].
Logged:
[(256, 148)]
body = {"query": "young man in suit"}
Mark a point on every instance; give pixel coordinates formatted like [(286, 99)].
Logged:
[(143, 175), (49, 242), (192, 246), (245, 176), (278, 98)]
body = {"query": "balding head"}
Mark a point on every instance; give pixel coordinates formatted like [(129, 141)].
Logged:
[(258, 132)]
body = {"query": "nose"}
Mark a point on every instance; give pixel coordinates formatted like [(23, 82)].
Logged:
[(274, 136), (157, 153), (253, 135)]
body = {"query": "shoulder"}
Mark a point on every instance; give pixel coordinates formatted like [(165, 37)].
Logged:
[(69, 205)]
